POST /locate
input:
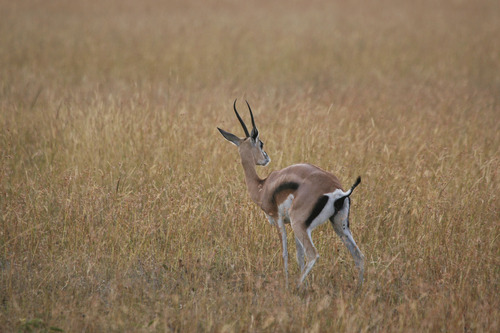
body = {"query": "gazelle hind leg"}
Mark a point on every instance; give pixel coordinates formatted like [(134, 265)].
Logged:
[(282, 233), (345, 235), (359, 258), (304, 237)]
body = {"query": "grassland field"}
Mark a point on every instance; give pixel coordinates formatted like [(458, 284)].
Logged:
[(122, 209)]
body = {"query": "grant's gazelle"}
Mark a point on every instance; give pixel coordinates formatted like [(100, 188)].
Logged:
[(302, 194)]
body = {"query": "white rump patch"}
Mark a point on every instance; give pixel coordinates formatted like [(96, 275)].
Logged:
[(329, 209)]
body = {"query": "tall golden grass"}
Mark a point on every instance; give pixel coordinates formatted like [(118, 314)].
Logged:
[(123, 209)]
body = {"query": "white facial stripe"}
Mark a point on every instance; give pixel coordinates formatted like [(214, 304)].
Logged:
[(266, 159)]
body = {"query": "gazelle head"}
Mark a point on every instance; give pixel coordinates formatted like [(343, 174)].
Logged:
[(251, 146)]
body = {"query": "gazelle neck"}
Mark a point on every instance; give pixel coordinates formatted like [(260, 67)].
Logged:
[(254, 183)]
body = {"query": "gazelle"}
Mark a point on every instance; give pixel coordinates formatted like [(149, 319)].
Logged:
[(302, 194)]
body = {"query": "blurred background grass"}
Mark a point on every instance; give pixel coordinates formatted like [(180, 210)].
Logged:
[(122, 208)]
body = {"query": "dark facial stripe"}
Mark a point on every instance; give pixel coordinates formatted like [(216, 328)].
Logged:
[(285, 187), (320, 204)]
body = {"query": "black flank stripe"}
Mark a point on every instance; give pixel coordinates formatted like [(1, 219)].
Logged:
[(320, 204), (284, 187)]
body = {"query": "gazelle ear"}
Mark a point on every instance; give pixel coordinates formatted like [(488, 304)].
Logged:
[(230, 137), (254, 134)]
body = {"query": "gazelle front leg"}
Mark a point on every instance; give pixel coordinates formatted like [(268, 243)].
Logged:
[(280, 227), (283, 215), (303, 236), (282, 233)]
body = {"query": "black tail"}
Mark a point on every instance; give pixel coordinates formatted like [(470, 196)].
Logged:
[(339, 203), (356, 183)]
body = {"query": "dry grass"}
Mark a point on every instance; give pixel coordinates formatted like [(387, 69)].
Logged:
[(123, 209)]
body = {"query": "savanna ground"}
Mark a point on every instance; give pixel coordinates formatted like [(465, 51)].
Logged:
[(123, 209)]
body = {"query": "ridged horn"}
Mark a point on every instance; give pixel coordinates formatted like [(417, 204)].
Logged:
[(251, 115), (241, 120)]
